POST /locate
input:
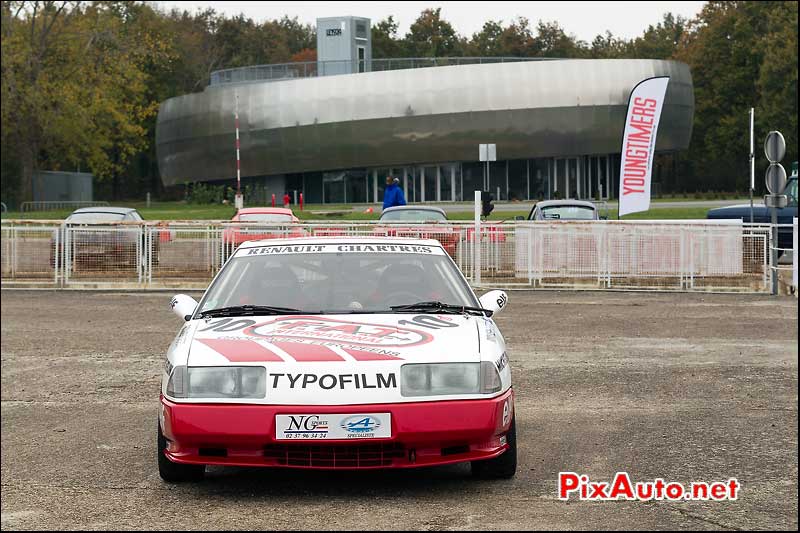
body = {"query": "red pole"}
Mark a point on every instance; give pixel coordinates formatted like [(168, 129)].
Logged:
[(273, 199), (301, 201)]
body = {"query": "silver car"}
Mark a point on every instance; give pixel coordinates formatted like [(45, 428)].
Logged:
[(564, 210)]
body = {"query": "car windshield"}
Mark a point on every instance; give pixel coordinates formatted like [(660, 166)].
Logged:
[(567, 212), (265, 217), (791, 191), (338, 278), (95, 217), (413, 215)]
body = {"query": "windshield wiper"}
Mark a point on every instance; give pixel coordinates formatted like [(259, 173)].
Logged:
[(440, 307), (248, 310)]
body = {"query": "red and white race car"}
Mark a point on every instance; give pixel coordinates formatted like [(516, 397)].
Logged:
[(256, 223), (419, 222), (357, 353)]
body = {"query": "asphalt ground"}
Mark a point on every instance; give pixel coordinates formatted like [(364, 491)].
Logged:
[(683, 387)]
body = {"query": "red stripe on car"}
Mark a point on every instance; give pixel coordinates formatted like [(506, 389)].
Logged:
[(308, 352), (360, 355), (241, 351)]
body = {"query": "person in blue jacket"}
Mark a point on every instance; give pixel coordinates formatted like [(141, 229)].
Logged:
[(393, 194)]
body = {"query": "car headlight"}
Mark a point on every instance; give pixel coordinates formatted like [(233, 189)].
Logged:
[(440, 379), (217, 382)]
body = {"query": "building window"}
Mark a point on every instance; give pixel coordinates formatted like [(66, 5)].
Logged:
[(361, 29)]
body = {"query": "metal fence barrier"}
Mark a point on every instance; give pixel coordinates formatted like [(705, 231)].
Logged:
[(51, 206), (650, 255)]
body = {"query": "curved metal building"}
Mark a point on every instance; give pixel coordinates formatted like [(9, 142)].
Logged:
[(402, 120)]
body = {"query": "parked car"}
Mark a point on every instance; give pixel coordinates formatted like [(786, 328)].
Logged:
[(564, 210), (425, 219), (111, 248), (281, 220), (349, 353), (763, 214)]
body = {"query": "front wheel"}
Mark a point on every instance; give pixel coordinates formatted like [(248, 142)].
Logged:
[(504, 466), (176, 472)]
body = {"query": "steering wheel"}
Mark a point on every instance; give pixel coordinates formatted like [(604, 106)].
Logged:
[(402, 297)]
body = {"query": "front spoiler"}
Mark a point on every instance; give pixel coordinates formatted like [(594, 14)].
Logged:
[(423, 434)]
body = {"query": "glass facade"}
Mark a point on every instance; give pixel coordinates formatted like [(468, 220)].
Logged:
[(593, 177)]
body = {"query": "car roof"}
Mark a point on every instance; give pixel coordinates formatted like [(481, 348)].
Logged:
[(577, 203), (264, 211), (340, 240), (415, 208), (102, 209)]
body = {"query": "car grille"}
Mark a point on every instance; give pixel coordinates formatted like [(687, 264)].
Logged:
[(335, 456)]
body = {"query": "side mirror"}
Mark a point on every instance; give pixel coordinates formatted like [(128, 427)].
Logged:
[(494, 301), (519, 217), (183, 306)]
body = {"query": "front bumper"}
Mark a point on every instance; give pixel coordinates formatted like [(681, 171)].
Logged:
[(423, 434)]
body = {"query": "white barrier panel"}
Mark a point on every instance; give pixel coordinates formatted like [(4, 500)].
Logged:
[(659, 255), (31, 253)]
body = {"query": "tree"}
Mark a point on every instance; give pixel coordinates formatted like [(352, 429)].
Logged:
[(73, 87), (432, 36), (777, 77), (298, 36), (660, 41), (552, 41), (486, 43), (516, 40), (385, 43), (726, 47), (609, 47)]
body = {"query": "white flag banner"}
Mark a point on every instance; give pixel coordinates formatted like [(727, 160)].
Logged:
[(639, 144)]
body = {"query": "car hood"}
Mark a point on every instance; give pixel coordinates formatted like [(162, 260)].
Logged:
[(341, 359), (761, 213)]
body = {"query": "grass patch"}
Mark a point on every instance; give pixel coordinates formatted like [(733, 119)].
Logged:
[(333, 213)]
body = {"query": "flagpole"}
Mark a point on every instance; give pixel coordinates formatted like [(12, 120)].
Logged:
[(239, 200), (752, 162)]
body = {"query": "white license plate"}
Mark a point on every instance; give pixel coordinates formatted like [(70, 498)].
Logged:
[(328, 427)]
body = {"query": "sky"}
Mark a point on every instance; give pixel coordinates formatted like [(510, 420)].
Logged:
[(583, 19)]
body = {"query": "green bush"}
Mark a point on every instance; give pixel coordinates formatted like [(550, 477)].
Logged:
[(202, 193)]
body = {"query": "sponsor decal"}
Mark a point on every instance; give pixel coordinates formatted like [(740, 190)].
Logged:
[(506, 412), (339, 249), (316, 328), (502, 300), (228, 324), (306, 427), (360, 425), (288, 350), (502, 362), (490, 329), (429, 321), (288, 380)]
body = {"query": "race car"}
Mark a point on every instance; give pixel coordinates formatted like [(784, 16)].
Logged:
[(267, 223), (426, 222), (356, 353)]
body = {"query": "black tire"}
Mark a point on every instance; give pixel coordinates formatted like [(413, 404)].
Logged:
[(502, 467), (176, 472)]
